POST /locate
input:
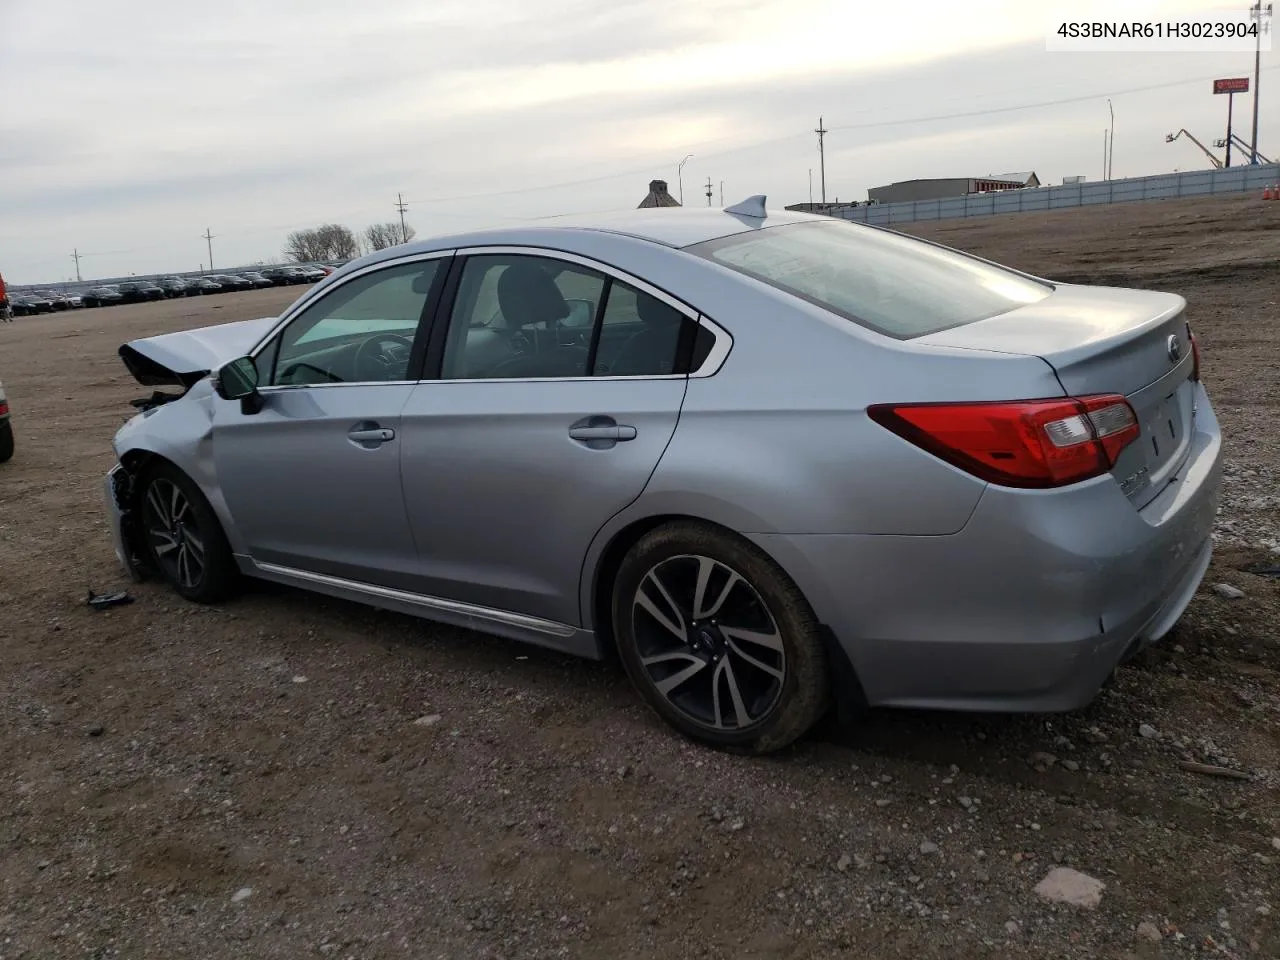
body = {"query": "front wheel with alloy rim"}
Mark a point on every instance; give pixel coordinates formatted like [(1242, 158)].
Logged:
[(718, 640), (184, 539)]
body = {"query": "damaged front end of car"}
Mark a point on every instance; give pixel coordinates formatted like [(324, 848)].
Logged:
[(123, 516), (160, 431)]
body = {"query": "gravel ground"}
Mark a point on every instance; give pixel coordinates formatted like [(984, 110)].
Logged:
[(289, 776)]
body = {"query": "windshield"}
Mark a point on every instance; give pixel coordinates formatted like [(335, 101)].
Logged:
[(896, 285)]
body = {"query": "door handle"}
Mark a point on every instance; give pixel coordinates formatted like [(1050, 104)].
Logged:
[(619, 431), (600, 432), (378, 435), (370, 435)]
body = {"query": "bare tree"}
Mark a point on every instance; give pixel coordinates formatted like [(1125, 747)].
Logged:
[(379, 236), (329, 241)]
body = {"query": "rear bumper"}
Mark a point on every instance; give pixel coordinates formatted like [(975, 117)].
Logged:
[(1032, 605)]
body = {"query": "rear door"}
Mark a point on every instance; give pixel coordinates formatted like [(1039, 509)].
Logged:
[(313, 478), (520, 445)]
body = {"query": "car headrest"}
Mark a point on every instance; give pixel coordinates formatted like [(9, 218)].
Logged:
[(527, 294), (654, 312)]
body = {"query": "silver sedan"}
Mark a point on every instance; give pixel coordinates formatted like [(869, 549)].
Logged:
[(777, 463)]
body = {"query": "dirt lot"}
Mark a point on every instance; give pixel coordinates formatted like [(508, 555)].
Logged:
[(249, 781)]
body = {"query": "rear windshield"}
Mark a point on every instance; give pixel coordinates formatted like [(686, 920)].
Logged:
[(896, 285)]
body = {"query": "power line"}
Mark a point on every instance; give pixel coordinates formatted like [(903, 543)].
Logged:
[(870, 125), (1027, 106)]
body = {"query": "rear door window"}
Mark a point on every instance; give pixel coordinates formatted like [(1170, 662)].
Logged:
[(895, 285)]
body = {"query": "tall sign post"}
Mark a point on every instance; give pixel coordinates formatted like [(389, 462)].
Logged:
[(1230, 86)]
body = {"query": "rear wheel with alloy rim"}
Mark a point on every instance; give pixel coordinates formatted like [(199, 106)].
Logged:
[(184, 539), (717, 638)]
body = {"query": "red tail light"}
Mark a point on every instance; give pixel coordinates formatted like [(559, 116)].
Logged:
[(4, 407), (1025, 443)]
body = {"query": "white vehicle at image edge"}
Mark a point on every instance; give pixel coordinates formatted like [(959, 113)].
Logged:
[(775, 462)]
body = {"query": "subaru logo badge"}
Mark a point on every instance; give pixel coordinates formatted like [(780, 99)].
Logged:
[(1175, 348)]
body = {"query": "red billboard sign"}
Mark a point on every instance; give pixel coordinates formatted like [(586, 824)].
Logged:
[(1231, 85)]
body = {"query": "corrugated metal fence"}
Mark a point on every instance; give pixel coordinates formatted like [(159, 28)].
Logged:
[(1193, 183)]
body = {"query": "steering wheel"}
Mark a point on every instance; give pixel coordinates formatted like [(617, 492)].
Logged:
[(286, 375), (374, 362)]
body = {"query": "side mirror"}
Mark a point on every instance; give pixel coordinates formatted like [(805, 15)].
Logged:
[(238, 380)]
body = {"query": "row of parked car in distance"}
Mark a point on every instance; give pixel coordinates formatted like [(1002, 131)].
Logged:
[(141, 291)]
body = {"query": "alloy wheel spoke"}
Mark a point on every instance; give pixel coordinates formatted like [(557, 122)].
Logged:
[(770, 640), (667, 685), (675, 626), (758, 664), (706, 567), (164, 544), (724, 669), (177, 504), (194, 542), (158, 507)]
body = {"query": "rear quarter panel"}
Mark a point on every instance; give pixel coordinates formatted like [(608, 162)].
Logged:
[(781, 431)]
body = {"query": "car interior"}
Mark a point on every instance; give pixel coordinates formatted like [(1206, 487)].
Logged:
[(513, 317), (534, 317)]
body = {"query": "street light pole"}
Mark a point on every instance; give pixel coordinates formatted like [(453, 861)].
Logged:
[(680, 177), (1255, 13)]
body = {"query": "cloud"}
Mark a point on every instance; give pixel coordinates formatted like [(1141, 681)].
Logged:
[(134, 125)]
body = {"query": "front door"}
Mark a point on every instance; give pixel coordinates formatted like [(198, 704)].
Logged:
[(312, 479), (527, 444)]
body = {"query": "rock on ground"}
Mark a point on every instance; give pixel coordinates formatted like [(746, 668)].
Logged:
[(1064, 885)]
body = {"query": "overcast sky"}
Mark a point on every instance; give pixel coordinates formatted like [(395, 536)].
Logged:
[(127, 128)]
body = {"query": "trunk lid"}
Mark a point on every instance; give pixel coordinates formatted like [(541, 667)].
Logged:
[(1108, 340), (182, 359)]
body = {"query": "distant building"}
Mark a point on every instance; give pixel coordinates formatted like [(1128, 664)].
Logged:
[(942, 189), (658, 196), (1027, 178)]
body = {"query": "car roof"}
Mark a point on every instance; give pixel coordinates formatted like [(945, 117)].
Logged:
[(669, 226)]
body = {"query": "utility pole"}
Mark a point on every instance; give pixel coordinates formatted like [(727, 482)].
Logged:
[(1104, 154), (402, 207), (1255, 13), (208, 238), (722, 193), (75, 255), (1111, 151), (822, 157), (680, 176), (709, 191), (1231, 99), (811, 186)]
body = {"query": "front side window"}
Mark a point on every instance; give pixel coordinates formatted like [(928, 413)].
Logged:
[(519, 316), (360, 332), (896, 285)]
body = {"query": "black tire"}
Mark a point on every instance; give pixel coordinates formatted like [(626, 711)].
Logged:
[(218, 577), (780, 688), (6, 441)]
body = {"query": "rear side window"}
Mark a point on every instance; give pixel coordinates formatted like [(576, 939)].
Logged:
[(895, 285)]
